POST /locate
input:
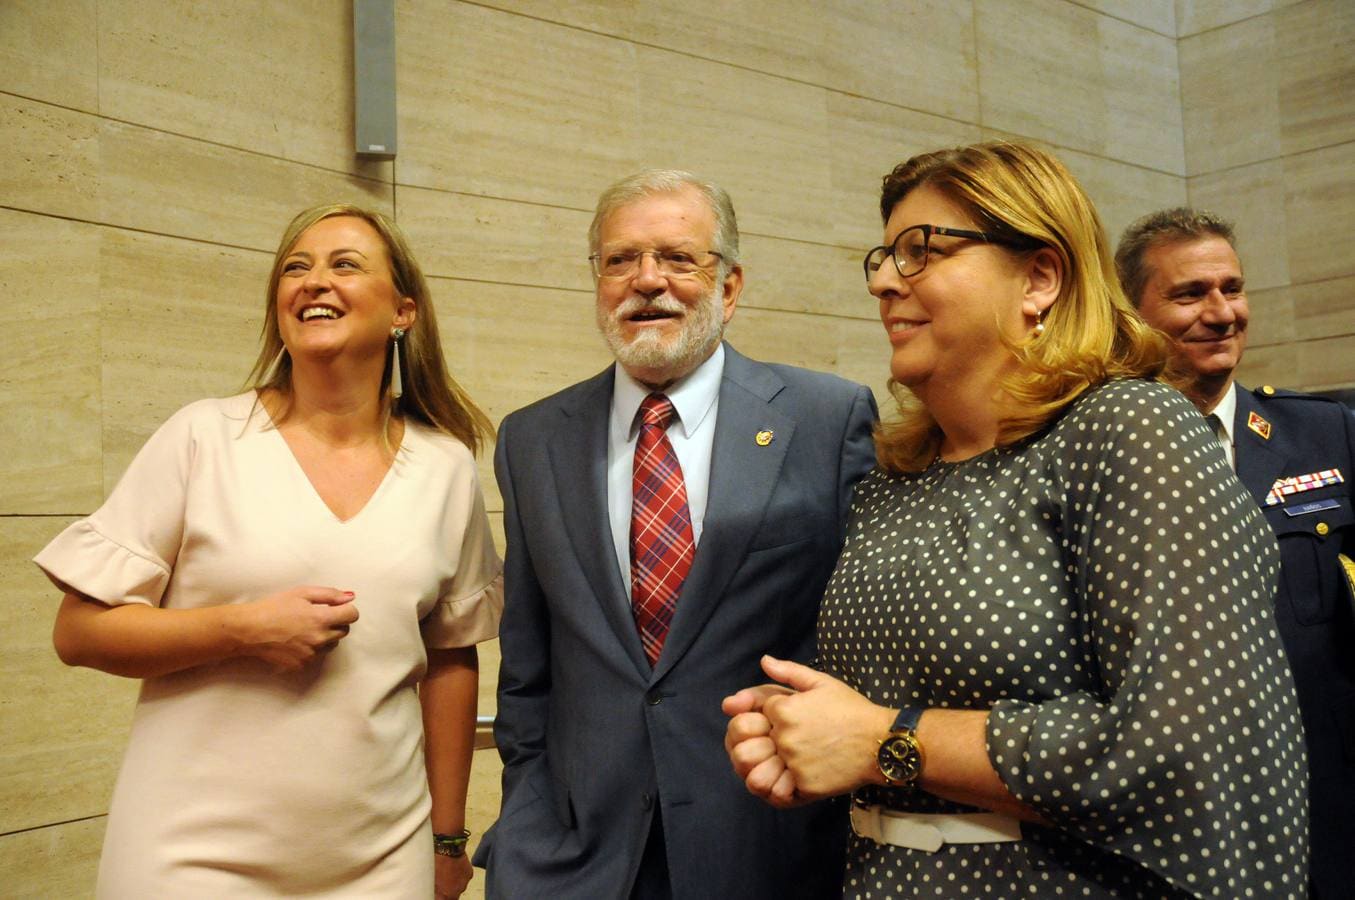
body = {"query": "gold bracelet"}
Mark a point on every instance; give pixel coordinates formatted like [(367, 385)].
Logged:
[(453, 845)]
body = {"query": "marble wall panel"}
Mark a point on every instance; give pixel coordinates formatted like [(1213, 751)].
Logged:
[(1328, 363), (64, 728), (753, 134), (614, 18), (1079, 79), (51, 457), (794, 339), (503, 241), (1272, 316), (1254, 199), (1155, 15), (1122, 192), (789, 38), (507, 106), (921, 55), (862, 356), (1317, 74), (49, 159), (1194, 16), (489, 669), (1319, 203), (273, 78), (871, 49), (1276, 364), (1324, 308), (867, 139), (180, 321), (511, 345), (57, 861), (49, 51), (1230, 95), (163, 183), (799, 276)]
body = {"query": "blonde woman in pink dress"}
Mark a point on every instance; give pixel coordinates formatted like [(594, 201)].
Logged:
[(299, 575)]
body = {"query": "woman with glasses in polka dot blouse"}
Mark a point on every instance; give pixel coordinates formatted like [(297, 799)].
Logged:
[(1048, 664)]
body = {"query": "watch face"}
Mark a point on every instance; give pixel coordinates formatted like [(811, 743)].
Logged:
[(900, 759)]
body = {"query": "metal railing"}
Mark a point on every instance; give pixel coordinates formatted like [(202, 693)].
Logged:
[(484, 732)]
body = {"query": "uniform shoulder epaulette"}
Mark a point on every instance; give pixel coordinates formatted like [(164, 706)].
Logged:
[(1268, 392)]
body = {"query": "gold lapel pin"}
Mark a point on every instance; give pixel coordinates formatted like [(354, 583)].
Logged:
[(764, 438), (1258, 425)]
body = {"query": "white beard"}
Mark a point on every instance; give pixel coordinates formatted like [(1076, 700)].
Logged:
[(673, 357)]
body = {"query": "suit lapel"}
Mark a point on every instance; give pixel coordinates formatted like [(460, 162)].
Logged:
[(743, 475), (1259, 463), (578, 454)]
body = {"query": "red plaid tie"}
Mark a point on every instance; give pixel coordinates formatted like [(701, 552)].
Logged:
[(661, 545)]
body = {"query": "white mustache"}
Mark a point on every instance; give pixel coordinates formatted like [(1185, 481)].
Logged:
[(636, 305)]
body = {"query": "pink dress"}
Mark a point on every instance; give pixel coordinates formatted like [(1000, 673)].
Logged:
[(242, 782)]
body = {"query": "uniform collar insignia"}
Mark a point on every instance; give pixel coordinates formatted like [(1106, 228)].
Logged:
[(1259, 425)]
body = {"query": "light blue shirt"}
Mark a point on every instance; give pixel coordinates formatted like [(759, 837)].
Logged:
[(696, 398)]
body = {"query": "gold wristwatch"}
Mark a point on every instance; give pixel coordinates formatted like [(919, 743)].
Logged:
[(900, 754)]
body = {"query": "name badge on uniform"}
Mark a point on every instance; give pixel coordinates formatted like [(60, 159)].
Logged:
[(1297, 484), (1303, 509)]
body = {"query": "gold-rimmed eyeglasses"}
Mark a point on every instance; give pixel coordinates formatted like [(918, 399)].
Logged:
[(912, 247), (670, 263)]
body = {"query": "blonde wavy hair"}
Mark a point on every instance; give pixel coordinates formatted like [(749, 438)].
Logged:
[(1091, 332), (431, 396)]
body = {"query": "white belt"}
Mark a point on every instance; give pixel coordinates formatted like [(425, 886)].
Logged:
[(929, 831)]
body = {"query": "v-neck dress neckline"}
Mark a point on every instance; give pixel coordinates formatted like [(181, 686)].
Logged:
[(299, 470)]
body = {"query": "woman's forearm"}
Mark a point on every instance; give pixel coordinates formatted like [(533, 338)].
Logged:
[(956, 765), (139, 641), (448, 695), (286, 630)]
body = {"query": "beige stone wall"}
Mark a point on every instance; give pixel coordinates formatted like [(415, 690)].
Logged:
[(1268, 99), (152, 152)]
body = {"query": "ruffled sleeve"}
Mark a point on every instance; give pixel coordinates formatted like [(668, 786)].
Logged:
[(125, 551), (1187, 758), (471, 604), (467, 620)]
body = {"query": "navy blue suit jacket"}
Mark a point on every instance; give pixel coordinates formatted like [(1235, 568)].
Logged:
[(1313, 609), (592, 738)]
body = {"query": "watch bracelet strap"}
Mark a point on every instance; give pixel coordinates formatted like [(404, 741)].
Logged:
[(907, 719)]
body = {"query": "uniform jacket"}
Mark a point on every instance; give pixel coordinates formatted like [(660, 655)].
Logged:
[(1307, 435), (590, 737)]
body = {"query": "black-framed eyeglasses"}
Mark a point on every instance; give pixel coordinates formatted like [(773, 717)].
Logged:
[(670, 263), (913, 245)]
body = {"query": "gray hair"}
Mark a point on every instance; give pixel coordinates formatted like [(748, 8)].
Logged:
[(670, 181), (1166, 226)]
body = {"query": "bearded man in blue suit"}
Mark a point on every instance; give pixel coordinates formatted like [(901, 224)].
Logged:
[(1295, 453), (615, 782)]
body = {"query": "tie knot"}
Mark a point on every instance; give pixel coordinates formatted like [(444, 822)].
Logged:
[(658, 410)]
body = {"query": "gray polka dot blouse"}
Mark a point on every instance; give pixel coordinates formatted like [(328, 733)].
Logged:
[(1104, 589)]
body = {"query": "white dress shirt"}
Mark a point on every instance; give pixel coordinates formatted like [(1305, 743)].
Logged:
[(1226, 412), (696, 398)]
